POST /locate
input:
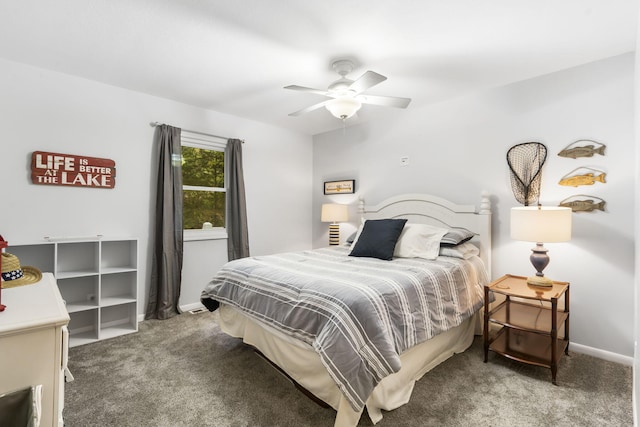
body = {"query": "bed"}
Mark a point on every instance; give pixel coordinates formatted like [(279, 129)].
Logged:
[(356, 328)]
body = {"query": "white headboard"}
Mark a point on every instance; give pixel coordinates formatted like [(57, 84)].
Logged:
[(428, 209)]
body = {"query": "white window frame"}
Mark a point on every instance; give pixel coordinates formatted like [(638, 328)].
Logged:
[(207, 142)]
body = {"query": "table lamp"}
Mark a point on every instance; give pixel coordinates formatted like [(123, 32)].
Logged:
[(334, 213), (540, 224)]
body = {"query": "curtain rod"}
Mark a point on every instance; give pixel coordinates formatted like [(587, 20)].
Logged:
[(154, 124)]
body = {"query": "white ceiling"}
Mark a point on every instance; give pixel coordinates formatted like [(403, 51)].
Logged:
[(235, 56)]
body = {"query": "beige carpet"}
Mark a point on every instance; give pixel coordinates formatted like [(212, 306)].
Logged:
[(186, 372)]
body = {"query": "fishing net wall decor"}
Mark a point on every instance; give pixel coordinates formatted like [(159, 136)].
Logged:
[(525, 164)]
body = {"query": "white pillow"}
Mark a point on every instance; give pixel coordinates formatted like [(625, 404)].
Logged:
[(419, 241), (355, 239), (464, 250)]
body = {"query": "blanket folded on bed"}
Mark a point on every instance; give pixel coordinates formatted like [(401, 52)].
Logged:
[(359, 314)]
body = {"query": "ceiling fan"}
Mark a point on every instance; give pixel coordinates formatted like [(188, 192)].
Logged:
[(346, 95)]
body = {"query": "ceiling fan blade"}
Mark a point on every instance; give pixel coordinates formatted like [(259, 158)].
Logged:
[(311, 108), (385, 101), (366, 81), (307, 89)]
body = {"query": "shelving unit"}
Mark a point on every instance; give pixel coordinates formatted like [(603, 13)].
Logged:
[(530, 324), (98, 280)]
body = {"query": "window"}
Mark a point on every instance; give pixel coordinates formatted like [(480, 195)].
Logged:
[(203, 185)]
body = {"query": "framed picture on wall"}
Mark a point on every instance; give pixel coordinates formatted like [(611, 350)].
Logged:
[(340, 187)]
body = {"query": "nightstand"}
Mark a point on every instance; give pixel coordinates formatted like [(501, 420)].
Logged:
[(529, 319)]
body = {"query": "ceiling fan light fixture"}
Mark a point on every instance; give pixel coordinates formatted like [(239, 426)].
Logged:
[(346, 96), (343, 107)]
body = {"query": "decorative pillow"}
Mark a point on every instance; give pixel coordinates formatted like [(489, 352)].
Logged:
[(419, 241), (352, 237), (378, 238), (463, 251), (455, 236)]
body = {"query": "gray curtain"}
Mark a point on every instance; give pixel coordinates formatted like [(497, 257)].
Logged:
[(166, 269), (236, 212)]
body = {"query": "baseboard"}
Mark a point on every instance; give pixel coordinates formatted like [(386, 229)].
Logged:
[(192, 306), (601, 354), (182, 308)]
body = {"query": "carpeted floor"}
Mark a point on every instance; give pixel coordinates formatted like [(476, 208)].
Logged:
[(186, 372)]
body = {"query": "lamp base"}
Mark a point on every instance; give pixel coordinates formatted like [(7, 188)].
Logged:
[(539, 281), (540, 260), (334, 234)]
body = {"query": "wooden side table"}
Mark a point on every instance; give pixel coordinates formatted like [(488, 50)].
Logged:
[(529, 324)]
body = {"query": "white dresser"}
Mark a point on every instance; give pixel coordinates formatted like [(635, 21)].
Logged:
[(34, 341)]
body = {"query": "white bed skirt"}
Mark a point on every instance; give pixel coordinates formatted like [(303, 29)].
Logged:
[(302, 363)]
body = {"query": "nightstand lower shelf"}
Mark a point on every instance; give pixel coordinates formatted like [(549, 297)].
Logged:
[(527, 347)]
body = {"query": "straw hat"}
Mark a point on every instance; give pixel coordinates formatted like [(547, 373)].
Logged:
[(13, 275)]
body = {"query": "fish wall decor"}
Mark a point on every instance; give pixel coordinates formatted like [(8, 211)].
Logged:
[(583, 148), (588, 176), (583, 203)]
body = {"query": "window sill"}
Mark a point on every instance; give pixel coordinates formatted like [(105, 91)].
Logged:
[(193, 235)]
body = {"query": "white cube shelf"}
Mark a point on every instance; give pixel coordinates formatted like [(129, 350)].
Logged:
[(98, 279)]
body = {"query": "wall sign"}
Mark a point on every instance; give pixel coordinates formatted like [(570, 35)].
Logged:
[(69, 169), (340, 187)]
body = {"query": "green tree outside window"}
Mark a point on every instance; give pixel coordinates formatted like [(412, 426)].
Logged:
[(203, 187)]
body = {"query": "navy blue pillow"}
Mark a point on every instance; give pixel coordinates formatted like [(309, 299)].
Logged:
[(378, 238)]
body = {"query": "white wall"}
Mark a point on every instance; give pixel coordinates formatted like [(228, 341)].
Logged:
[(49, 111), (457, 148)]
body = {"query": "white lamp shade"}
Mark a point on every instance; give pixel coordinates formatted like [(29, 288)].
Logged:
[(333, 212), (343, 107), (544, 224)]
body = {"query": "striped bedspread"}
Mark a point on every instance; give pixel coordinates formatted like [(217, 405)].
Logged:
[(359, 314)]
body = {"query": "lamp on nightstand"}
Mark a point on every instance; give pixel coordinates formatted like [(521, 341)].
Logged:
[(334, 213), (539, 224)]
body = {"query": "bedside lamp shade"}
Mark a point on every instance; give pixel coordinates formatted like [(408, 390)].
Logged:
[(540, 224), (334, 213)]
